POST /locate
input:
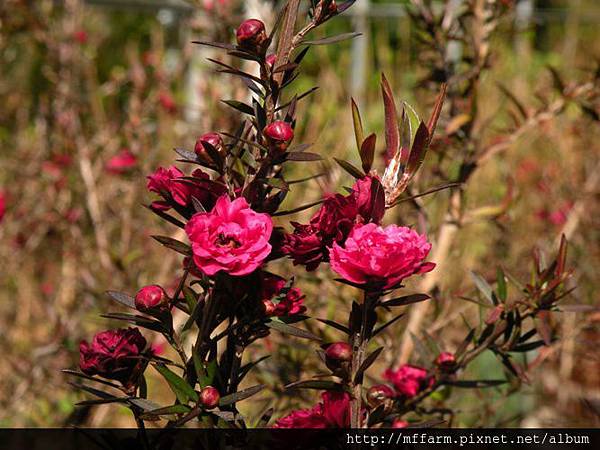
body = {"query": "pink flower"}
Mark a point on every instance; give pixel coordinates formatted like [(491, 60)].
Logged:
[(121, 163), (113, 354), (332, 412), (168, 184), (384, 256), (408, 380), (231, 238), (289, 301)]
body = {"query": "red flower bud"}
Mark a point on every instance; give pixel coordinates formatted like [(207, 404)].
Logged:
[(270, 60), (399, 423), (209, 397), (445, 360), (213, 139), (251, 34), (339, 351), (279, 134), (378, 394), (152, 299)]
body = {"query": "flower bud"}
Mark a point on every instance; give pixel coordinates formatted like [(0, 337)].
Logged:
[(269, 307), (152, 299), (209, 397), (270, 60), (445, 360), (251, 34), (339, 351), (213, 139), (279, 134), (378, 394), (399, 423)]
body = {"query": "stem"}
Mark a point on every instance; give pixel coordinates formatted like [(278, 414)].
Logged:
[(360, 340)]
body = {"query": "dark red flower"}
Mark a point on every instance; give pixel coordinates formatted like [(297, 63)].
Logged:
[(152, 299), (80, 36), (251, 34), (332, 412), (113, 354), (288, 302), (309, 245), (369, 196)]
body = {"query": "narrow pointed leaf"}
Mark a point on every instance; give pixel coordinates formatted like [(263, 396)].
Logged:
[(179, 386), (366, 364), (358, 126), (392, 135), (122, 298), (332, 39), (350, 168), (174, 244), (367, 152), (294, 331), (241, 395)]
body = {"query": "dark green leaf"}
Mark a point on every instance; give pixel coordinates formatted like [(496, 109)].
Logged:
[(483, 287), (366, 364), (405, 300), (350, 168), (332, 39), (337, 326), (326, 385), (122, 298), (241, 395), (475, 383), (174, 244), (288, 329), (302, 156), (179, 386)]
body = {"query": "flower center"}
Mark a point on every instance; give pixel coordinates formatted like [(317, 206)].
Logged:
[(227, 241)]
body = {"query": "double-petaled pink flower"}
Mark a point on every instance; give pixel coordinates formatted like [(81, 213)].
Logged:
[(408, 380), (381, 257), (113, 354), (231, 238), (332, 412)]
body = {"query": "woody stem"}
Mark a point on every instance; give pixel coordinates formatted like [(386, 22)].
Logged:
[(360, 340)]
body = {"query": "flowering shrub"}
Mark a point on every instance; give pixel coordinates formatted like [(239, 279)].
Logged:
[(227, 206)]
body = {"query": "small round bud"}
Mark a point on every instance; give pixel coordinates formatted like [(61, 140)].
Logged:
[(251, 34), (445, 360), (209, 397), (152, 299), (213, 139), (378, 394), (270, 60), (279, 134), (399, 423), (269, 307), (339, 351)]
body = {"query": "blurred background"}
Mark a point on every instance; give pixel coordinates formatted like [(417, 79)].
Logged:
[(96, 94)]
